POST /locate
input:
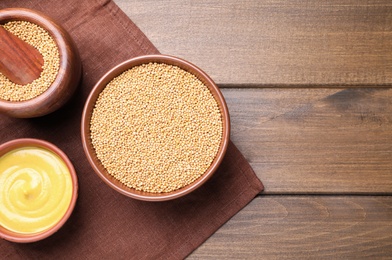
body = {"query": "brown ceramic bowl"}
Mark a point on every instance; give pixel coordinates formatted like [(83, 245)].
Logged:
[(95, 162), (27, 238), (67, 78)]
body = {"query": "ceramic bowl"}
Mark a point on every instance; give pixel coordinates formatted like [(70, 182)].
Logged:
[(67, 78), (27, 142), (89, 106)]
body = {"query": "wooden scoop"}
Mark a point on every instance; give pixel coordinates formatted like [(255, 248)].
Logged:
[(19, 61)]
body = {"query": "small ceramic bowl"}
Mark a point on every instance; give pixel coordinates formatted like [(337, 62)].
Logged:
[(97, 165), (67, 78), (33, 237)]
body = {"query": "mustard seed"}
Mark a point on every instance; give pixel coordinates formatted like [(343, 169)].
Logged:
[(156, 128), (39, 38)]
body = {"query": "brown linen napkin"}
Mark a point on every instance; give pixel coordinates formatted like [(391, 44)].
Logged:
[(106, 224)]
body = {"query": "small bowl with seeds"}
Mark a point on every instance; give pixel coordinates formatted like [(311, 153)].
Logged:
[(40, 66), (155, 128)]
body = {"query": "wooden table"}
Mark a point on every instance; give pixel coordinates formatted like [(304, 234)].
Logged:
[(308, 88)]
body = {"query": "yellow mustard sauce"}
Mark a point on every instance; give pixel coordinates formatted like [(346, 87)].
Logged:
[(35, 190)]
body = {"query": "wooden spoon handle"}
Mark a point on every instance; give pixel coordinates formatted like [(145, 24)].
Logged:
[(19, 61)]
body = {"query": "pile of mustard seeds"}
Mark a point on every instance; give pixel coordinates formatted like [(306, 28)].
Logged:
[(39, 38), (156, 128)]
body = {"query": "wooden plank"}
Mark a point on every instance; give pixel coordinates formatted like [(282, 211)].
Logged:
[(318, 141), (274, 42), (305, 227)]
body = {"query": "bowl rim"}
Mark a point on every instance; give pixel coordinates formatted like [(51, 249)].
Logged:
[(69, 63), (117, 70), (27, 142)]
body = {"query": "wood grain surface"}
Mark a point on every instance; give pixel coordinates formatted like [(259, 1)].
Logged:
[(308, 86), (318, 141), (305, 227), (273, 42)]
